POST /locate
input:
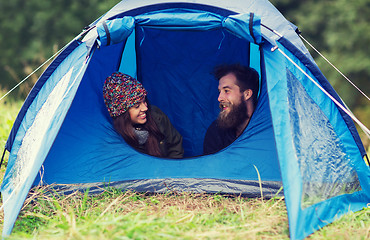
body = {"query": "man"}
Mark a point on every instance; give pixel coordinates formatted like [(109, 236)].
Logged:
[(238, 88)]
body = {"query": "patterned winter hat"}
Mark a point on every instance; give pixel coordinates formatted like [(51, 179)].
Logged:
[(120, 92)]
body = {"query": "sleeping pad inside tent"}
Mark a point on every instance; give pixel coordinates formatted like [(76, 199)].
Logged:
[(297, 138)]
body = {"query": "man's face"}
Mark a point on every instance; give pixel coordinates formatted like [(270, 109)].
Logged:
[(232, 104), (229, 93)]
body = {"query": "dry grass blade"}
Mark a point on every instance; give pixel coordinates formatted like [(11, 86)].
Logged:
[(259, 182)]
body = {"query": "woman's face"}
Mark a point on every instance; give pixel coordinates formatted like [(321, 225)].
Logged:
[(138, 112)]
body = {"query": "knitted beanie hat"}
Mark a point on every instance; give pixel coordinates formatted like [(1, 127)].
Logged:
[(120, 92)]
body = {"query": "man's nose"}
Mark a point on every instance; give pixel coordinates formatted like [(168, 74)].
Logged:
[(220, 97)]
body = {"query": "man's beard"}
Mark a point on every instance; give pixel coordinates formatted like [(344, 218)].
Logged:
[(236, 116)]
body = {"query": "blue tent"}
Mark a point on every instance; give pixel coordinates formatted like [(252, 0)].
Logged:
[(300, 135)]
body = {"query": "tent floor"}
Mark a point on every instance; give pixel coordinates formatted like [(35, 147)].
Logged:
[(245, 188)]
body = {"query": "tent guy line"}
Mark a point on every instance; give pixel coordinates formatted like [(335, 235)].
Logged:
[(326, 93), (34, 71), (331, 64)]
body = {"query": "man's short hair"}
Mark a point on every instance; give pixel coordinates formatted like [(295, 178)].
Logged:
[(247, 77)]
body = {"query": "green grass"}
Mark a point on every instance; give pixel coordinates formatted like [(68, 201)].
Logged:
[(8, 113), (128, 215), (9, 109)]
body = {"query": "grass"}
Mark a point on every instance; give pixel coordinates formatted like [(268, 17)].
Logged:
[(8, 113), (9, 109), (129, 215), (116, 214)]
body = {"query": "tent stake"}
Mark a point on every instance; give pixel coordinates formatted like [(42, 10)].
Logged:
[(367, 158)]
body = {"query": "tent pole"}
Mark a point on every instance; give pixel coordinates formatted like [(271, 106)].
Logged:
[(2, 158)]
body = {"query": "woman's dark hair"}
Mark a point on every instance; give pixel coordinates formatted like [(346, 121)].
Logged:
[(123, 126)]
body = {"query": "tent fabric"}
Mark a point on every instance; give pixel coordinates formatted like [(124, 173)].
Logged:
[(246, 26), (297, 136), (36, 88), (305, 163), (326, 85), (35, 135)]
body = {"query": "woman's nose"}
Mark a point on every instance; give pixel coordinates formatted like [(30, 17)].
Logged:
[(143, 107)]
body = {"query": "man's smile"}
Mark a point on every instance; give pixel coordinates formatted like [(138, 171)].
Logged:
[(224, 106)]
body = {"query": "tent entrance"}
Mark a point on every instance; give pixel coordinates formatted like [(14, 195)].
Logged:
[(176, 69), (178, 78), (175, 61)]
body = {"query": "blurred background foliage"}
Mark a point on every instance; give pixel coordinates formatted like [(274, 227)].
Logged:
[(33, 30)]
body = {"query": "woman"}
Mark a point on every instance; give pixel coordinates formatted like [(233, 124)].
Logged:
[(144, 127)]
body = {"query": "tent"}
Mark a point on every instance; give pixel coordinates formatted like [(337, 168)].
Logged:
[(300, 135)]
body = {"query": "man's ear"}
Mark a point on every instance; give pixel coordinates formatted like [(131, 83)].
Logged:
[(247, 94)]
